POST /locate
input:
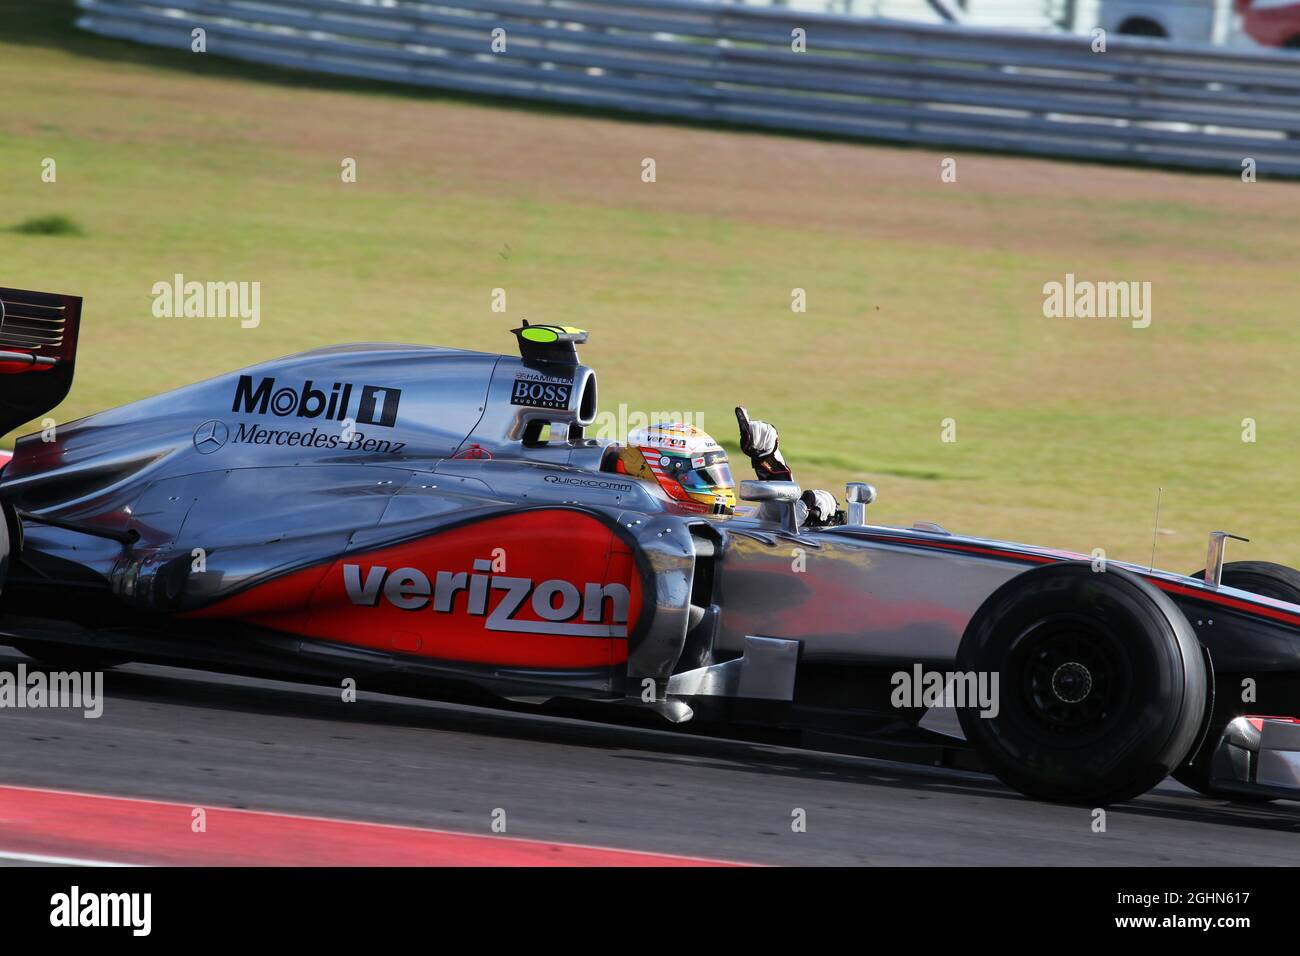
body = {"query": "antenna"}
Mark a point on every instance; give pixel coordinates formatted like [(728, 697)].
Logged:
[(1155, 531)]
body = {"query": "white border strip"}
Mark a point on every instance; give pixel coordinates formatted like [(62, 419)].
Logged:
[(55, 860)]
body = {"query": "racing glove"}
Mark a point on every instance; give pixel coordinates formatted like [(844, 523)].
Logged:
[(761, 443)]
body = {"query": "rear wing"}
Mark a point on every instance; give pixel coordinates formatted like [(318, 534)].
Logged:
[(38, 350)]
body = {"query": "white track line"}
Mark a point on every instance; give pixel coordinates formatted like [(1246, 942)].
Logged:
[(55, 860)]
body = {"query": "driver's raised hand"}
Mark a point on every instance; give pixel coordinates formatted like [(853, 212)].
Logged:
[(757, 439), (761, 443)]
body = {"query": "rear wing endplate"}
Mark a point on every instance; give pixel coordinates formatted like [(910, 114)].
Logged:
[(38, 350)]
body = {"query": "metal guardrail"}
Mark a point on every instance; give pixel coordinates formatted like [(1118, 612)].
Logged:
[(937, 85)]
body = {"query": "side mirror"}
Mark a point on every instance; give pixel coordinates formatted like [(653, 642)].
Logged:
[(1214, 559), (860, 494), (562, 433), (752, 490), (779, 500)]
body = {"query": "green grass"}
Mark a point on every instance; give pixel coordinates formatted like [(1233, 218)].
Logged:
[(924, 299)]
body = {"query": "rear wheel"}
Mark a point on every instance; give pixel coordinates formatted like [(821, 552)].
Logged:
[(1102, 686), (1268, 580), (1261, 577), (56, 656)]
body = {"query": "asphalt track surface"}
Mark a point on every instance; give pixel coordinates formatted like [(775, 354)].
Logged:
[(218, 741)]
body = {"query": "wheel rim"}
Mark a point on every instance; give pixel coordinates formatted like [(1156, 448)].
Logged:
[(1073, 677)]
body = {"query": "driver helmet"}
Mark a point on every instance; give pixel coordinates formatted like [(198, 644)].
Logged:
[(685, 461)]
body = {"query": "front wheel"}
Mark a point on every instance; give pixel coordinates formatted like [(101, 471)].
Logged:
[(1101, 684)]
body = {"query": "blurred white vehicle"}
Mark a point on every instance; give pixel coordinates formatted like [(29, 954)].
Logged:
[(1183, 21)]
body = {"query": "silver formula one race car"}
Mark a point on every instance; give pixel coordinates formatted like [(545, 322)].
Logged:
[(435, 521)]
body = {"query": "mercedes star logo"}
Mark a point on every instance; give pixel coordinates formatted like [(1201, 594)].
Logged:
[(210, 436)]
